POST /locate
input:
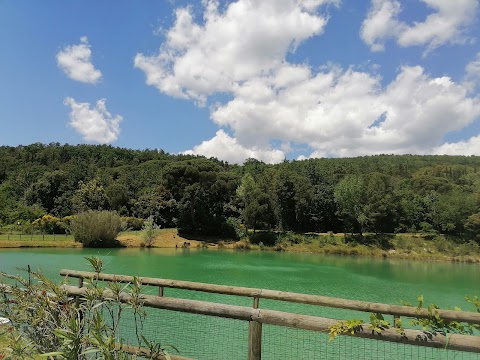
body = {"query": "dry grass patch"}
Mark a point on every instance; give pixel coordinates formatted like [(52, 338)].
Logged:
[(39, 243), (164, 238)]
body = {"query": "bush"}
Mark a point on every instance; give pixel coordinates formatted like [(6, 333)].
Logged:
[(233, 229), (442, 244), (268, 238), (242, 245), (132, 223), (468, 248), (45, 319), (404, 243), (49, 224), (427, 228), (96, 228), (149, 232)]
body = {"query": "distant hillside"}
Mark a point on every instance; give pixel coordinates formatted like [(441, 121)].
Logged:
[(382, 193)]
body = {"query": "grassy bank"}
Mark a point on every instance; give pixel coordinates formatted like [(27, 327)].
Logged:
[(16, 239), (407, 246)]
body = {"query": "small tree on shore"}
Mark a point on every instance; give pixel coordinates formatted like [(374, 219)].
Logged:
[(149, 232)]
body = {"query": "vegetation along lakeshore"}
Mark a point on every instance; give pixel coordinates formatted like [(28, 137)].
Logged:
[(391, 206)]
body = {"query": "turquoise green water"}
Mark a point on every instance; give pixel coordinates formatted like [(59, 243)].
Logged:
[(378, 280), (354, 278)]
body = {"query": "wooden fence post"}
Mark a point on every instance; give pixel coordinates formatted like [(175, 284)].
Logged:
[(254, 340), (160, 291)]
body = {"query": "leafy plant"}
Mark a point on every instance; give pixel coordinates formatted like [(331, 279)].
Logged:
[(432, 323), (47, 321), (18, 347), (378, 323), (345, 327)]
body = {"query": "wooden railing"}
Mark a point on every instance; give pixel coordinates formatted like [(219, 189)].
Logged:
[(256, 316)]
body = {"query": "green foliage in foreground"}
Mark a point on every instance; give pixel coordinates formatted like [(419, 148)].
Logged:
[(45, 320), (431, 324), (96, 228)]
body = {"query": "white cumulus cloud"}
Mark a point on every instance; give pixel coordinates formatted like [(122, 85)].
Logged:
[(76, 62), (446, 24), (233, 152), (94, 124), (348, 113), (230, 46), (472, 70), (464, 147), (275, 107)]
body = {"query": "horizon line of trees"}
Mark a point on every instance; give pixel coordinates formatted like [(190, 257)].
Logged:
[(381, 194)]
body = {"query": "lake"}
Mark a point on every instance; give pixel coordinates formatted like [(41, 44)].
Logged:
[(369, 279)]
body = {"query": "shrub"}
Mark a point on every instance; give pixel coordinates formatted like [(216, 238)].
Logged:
[(132, 223), (404, 243), (149, 232), (427, 228), (242, 245), (468, 248), (442, 244), (293, 238), (279, 247), (96, 228), (233, 229), (45, 319), (268, 238), (49, 224)]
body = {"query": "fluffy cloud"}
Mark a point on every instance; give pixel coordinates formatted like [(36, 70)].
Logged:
[(232, 151), (75, 61), (381, 23), (445, 24), (472, 70), (467, 147), (228, 48), (94, 124), (334, 111), (348, 113)]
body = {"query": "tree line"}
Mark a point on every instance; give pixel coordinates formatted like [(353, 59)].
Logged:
[(380, 194)]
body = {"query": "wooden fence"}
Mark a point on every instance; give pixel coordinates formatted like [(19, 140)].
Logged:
[(257, 316)]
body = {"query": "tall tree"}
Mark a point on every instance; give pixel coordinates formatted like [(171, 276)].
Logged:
[(350, 200), (90, 196)]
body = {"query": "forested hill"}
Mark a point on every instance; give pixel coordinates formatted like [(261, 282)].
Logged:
[(377, 194)]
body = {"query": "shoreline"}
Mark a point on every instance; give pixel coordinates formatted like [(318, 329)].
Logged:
[(169, 238)]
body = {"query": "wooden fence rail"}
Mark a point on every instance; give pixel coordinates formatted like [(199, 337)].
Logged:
[(256, 317), (370, 307)]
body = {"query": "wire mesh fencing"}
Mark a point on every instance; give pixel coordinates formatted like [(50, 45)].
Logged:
[(194, 336), (281, 342), (225, 332), (206, 337)]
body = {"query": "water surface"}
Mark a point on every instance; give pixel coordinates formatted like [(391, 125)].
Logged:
[(377, 280)]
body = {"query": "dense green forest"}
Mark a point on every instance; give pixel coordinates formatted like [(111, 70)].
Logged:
[(380, 194)]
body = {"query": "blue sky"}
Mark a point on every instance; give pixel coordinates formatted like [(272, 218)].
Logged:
[(270, 79)]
